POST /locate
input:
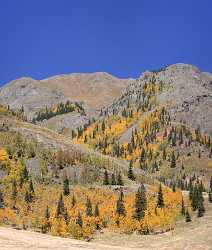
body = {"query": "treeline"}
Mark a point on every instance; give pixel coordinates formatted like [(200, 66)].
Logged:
[(61, 108)]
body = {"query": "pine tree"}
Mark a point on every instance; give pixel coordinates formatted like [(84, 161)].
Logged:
[(14, 190), (120, 208), (143, 156), (28, 197), (183, 207), (130, 172), (47, 213), (96, 212), (160, 202), (73, 201), (25, 174), (66, 190), (210, 196), (31, 188), (140, 203), (173, 160), (113, 179), (79, 220), (211, 183), (201, 209), (60, 207), (187, 216), (119, 180), (1, 200), (106, 178), (89, 211)]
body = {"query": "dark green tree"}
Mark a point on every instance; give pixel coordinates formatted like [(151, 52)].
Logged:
[(187, 216), (106, 178), (73, 201), (1, 200), (66, 190), (160, 202), (140, 203), (96, 211), (119, 180), (60, 207), (79, 219), (173, 160), (183, 207), (89, 210), (113, 179), (120, 208), (130, 172)]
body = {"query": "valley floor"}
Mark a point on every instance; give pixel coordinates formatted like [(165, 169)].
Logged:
[(196, 235)]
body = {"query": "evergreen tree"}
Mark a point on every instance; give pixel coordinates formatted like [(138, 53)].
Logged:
[(1, 200), (183, 207), (25, 174), (187, 216), (73, 201), (14, 190), (47, 213), (130, 172), (66, 190), (210, 196), (60, 207), (201, 209), (31, 188), (79, 220), (173, 160), (96, 212), (113, 179), (211, 183), (28, 197), (140, 203), (143, 156), (160, 202), (119, 180), (89, 211), (120, 208), (106, 178)]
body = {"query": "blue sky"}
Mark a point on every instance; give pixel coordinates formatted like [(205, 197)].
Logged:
[(40, 38)]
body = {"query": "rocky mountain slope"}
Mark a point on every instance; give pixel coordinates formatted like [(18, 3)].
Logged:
[(187, 94), (91, 90)]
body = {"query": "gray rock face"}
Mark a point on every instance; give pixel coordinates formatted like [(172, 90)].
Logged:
[(187, 94), (93, 90)]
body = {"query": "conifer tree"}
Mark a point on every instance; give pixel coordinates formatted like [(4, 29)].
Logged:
[(201, 209), (183, 207), (47, 213), (143, 156), (89, 211), (79, 219), (96, 212), (66, 190), (187, 216), (1, 200), (140, 203), (60, 207), (173, 160), (106, 178), (119, 180), (14, 190), (210, 196), (73, 201), (25, 173), (160, 201), (120, 208), (130, 172), (113, 179), (31, 188)]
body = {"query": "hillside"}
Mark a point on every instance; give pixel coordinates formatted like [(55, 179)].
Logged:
[(141, 165)]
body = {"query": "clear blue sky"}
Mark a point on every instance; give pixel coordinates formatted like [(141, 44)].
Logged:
[(40, 38)]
